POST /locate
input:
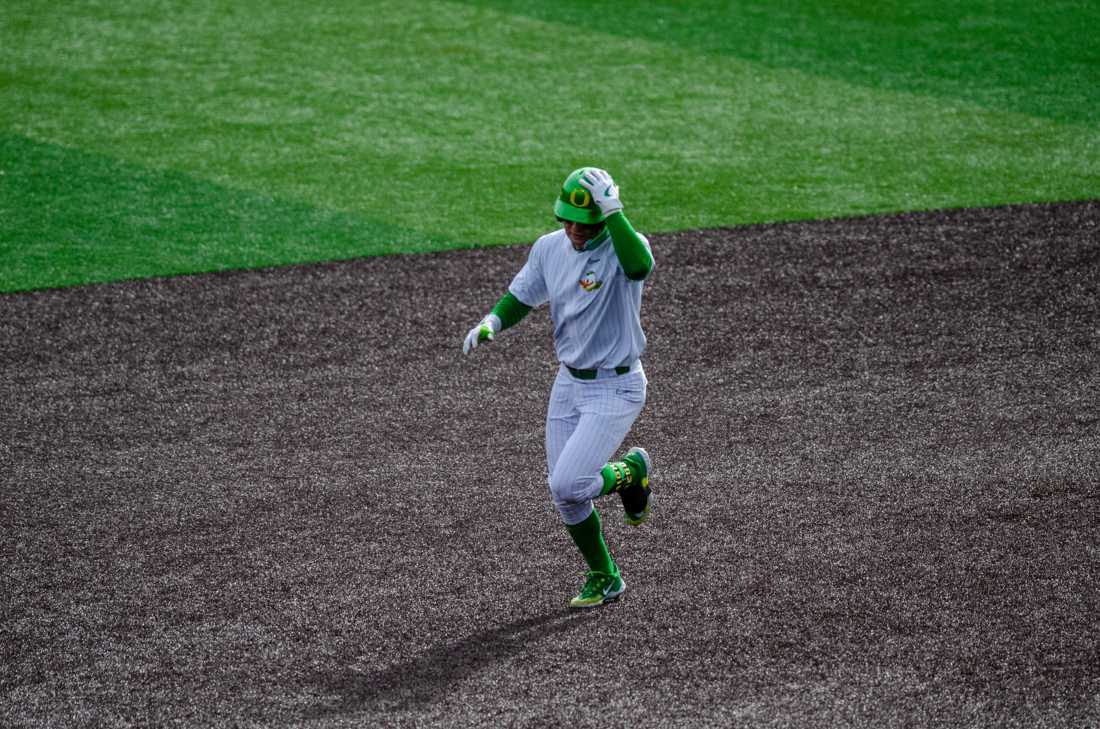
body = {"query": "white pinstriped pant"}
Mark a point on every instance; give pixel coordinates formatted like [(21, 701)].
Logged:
[(586, 422)]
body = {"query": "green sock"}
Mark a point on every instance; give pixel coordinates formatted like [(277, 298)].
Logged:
[(588, 536), (616, 476)]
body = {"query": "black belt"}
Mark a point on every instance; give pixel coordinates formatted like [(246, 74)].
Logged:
[(591, 374)]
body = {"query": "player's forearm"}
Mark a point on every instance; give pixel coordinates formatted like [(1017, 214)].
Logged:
[(510, 310), (634, 257)]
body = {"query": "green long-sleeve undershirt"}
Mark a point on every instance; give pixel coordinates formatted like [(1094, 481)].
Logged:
[(631, 250), (510, 310)]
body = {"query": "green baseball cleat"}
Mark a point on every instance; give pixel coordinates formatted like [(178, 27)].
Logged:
[(599, 588), (637, 497)]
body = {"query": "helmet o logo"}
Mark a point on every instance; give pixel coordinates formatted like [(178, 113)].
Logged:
[(585, 198)]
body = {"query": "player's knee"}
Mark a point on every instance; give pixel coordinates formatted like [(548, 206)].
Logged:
[(570, 488), (561, 488)]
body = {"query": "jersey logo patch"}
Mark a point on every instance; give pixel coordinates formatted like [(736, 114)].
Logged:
[(589, 282)]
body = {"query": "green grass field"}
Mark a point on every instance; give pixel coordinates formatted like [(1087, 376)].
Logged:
[(153, 138)]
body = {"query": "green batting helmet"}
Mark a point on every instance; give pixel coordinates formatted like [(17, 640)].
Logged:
[(575, 203)]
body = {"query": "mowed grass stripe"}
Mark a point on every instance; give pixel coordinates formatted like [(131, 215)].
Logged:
[(69, 217), (1007, 55), (457, 122)]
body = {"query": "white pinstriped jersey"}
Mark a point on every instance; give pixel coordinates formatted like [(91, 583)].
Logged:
[(595, 308)]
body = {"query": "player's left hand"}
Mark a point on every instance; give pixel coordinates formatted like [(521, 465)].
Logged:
[(605, 193)]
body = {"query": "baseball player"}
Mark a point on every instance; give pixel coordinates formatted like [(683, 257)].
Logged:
[(591, 272)]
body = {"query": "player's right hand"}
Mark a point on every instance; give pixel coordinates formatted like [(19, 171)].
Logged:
[(485, 330)]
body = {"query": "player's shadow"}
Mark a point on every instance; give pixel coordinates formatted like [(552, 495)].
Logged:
[(419, 680)]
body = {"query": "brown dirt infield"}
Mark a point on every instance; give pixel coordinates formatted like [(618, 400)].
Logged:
[(284, 498)]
